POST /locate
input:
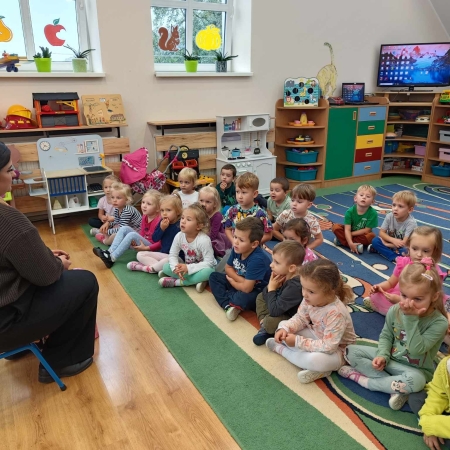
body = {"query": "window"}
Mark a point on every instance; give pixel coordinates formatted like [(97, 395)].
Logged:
[(198, 26), (25, 25)]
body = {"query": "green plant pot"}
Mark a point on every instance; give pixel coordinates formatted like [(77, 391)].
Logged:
[(221, 66), (43, 64), (191, 66), (79, 65)]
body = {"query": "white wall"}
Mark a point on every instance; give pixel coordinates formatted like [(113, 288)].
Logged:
[(287, 40)]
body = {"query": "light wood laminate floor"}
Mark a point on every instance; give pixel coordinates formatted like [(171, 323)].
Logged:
[(134, 396)]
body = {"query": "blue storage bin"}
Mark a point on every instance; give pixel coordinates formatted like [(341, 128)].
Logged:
[(66, 185), (300, 175), (301, 158), (441, 171), (391, 146)]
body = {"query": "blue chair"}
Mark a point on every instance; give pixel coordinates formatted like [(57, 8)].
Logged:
[(35, 349)]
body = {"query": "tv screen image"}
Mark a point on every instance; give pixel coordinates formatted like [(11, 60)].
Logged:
[(414, 65)]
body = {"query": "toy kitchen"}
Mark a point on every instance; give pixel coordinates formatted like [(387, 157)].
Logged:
[(241, 141)]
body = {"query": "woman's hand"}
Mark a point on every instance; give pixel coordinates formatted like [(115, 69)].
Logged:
[(379, 363), (408, 308), (280, 335), (65, 261), (57, 252), (433, 442)]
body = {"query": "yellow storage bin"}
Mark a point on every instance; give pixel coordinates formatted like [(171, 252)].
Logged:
[(369, 141)]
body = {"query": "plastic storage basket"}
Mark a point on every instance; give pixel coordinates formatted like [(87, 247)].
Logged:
[(301, 158), (441, 171), (67, 185), (419, 150), (444, 154), (300, 175), (391, 147)]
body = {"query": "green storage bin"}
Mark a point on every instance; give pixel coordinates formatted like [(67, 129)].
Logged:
[(302, 158), (300, 175)]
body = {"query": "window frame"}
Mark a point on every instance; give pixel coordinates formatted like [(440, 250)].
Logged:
[(189, 6), (27, 27)]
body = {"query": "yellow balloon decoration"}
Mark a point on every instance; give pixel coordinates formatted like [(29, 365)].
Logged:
[(5, 33), (209, 38)]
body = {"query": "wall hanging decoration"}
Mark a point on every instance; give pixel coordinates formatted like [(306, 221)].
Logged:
[(105, 109), (209, 38), (5, 33), (327, 75), (301, 91), (169, 41), (51, 30)]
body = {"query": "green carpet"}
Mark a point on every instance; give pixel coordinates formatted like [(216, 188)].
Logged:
[(258, 410)]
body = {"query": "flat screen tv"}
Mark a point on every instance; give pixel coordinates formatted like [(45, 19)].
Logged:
[(410, 65)]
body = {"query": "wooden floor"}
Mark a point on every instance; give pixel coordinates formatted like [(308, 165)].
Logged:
[(134, 396)]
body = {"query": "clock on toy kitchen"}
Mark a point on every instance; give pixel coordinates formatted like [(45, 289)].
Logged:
[(242, 141)]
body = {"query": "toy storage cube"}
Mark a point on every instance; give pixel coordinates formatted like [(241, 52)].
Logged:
[(441, 171), (300, 175), (444, 154), (390, 146), (419, 150), (444, 136), (301, 158)]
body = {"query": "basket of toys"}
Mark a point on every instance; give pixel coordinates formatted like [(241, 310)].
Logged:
[(391, 146), (301, 173), (388, 164), (441, 170), (301, 155)]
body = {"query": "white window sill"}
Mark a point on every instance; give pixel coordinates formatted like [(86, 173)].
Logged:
[(202, 74), (26, 74)]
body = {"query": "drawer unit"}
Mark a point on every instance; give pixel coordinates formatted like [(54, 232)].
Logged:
[(372, 113), (369, 141), (368, 154), (366, 168), (371, 127)]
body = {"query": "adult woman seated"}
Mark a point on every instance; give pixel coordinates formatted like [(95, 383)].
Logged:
[(38, 295)]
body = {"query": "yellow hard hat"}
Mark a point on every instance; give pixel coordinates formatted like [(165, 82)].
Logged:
[(19, 110)]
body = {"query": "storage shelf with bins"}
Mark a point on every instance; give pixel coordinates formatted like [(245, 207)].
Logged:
[(435, 144), (318, 134), (401, 101)]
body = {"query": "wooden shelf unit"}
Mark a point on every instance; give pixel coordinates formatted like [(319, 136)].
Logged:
[(318, 133), (406, 100), (434, 144)]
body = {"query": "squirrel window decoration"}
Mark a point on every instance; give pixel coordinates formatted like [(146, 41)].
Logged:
[(169, 41)]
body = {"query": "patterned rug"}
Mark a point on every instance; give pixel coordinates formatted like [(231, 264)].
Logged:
[(255, 392)]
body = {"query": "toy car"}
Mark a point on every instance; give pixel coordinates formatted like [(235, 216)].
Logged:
[(445, 97), (9, 61)]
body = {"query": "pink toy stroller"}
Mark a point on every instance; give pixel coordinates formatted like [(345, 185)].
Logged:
[(134, 171)]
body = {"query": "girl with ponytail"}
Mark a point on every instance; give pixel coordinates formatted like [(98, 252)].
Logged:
[(316, 337), (410, 339)]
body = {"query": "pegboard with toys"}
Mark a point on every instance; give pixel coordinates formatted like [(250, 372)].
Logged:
[(301, 92)]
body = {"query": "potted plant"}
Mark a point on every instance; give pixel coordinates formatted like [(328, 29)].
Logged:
[(190, 61), (79, 63), (222, 59), (43, 61)]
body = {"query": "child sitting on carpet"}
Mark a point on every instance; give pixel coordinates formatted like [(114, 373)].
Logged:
[(280, 298), (124, 215), (187, 179), (165, 232), (105, 207), (298, 230), (359, 221), (409, 341), (302, 197), (316, 337), (193, 241), (127, 237), (424, 242), (396, 227), (210, 200), (278, 201), (226, 188), (247, 271)]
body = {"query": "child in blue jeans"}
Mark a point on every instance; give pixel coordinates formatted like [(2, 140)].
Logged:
[(247, 271)]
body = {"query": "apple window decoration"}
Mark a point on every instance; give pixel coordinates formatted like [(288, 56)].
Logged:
[(79, 62), (51, 30)]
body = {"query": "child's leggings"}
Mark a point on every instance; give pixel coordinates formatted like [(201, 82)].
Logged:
[(316, 361), (194, 278), (396, 378), (155, 260), (122, 242)]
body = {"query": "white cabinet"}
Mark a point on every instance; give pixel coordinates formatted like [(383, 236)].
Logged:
[(241, 141)]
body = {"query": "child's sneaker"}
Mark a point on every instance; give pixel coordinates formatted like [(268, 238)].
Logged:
[(308, 376), (260, 338), (104, 255), (271, 344), (397, 401), (134, 265), (360, 248), (336, 242), (232, 312), (100, 237), (370, 249), (367, 302), (200, 287), (94, 231), (167, 282), (161, 274)]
